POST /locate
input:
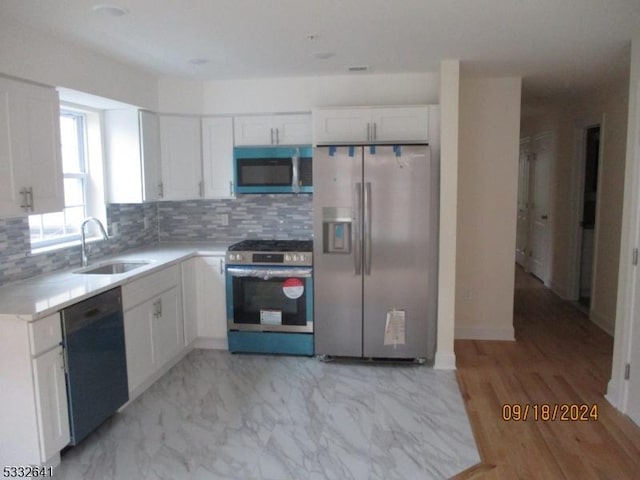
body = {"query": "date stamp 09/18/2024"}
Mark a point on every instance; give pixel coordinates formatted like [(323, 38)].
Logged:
[(550, 412)]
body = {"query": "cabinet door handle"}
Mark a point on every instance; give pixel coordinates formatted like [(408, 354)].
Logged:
[(231, 189), (30, 201), (201, 188), (272, 136), (277, 136), (160, 190), (375, 133), (368, 131), (221, 266), (25, 202)]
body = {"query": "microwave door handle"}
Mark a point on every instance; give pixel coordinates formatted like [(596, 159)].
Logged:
[(295, 176)]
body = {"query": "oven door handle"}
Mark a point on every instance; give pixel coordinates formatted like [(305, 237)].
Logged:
[(267, 273)]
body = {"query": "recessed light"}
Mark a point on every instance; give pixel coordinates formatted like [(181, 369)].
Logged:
[(198, 61), (312, 37), (358, 68), (113, 10)]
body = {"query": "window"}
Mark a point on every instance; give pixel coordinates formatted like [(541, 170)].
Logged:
[(63, 228)]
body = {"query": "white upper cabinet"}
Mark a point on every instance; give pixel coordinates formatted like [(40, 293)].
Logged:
[(286, 129), (407, 124), (30, 154), (132, 140), (217, 157), (181, 157)]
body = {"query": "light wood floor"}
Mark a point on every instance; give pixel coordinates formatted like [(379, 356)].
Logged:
[(559, 357)]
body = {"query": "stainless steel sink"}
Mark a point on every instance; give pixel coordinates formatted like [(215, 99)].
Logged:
[(113, 268)]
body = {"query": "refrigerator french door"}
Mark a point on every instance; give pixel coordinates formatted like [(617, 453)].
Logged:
[(375, 251)]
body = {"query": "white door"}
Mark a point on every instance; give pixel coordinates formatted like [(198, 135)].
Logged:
[(633, 392), (167, 327), (539, 222), (400, 124), (9, 187), (253, 130), (292, 129), (51, 398), (342, 125), (180, 152), (522, 227), (189, 299), (217, 157), (42, 137), (138, 343), (150, 152), (212, 315)]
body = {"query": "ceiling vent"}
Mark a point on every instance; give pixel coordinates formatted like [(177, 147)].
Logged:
[(358, 68)]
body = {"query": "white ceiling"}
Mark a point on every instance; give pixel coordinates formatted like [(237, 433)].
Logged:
[(558, 46)]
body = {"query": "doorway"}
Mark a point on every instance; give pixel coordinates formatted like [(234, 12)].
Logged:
[(588, 219)]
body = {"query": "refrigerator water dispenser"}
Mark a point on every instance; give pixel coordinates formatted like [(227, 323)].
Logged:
[(336, 230)]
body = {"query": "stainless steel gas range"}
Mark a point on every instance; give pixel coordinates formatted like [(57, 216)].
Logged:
[(270, 296)]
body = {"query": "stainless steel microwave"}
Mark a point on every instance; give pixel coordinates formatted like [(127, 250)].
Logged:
[(273, 169)]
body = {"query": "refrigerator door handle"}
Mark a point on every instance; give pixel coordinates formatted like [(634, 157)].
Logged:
[(367, 228), (357, 241)]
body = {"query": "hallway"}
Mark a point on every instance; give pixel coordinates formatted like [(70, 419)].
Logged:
[(559, 358)]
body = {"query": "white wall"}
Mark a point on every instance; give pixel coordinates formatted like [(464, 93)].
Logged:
[(487, 202), (295, 94), (31, 55)]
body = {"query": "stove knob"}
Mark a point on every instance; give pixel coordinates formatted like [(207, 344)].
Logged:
[(239, 257), (232, 256), (295, 258)]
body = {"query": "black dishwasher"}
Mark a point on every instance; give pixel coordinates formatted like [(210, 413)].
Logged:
[(96, 362)]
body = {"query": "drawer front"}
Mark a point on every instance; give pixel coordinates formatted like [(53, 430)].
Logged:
[(150, 286), (45, 334)]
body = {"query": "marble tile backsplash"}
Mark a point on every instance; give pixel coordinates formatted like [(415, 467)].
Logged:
[(17, 262), (248, 216)]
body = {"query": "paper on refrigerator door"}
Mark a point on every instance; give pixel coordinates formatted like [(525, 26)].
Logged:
[(395, 328)]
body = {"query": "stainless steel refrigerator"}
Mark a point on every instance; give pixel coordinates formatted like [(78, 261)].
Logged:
[(375, 251)]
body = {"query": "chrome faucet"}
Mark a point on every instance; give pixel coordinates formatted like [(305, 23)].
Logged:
[(83, 235)]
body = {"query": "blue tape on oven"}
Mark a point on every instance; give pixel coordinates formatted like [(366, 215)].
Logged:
[(352, 151), (397, 149), (332, 150), (372, 149)]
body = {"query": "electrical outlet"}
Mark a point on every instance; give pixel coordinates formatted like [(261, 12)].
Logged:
[(467, 294), (114, 229), (224, 219), (146, 222)]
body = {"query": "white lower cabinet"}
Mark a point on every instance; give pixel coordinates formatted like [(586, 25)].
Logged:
[(34, 420), (153, 324), (205, 301)]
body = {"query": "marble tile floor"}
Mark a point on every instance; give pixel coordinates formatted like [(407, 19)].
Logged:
[(243, 417)]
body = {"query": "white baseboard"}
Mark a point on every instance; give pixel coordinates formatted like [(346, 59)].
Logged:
[(211, 343), (445, 361), (484, 333), (603, 322), (613, 394)]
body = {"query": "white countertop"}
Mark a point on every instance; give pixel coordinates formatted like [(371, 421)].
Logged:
[(43, 295)]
